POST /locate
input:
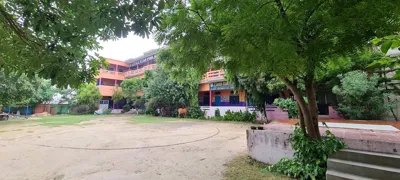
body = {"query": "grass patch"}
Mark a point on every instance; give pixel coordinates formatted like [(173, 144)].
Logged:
[(30, 131), (16, 130), (155, 119), (64, 120), (245, 168), (3, 131)]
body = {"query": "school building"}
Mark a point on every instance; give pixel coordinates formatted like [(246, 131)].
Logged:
[(214, 90)]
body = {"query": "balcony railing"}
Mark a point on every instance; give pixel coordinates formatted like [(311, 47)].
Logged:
[(213, 76), (138, 72), (104, 73)]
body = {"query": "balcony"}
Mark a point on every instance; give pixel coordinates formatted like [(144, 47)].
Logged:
[(213, 76), (104, 73), (106, 90), (138, 72)]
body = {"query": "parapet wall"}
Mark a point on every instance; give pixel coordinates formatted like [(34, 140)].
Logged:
[(271, 144)]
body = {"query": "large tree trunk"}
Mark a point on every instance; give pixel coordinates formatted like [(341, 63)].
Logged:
[(312, 102), (312, 131), (301, 119)]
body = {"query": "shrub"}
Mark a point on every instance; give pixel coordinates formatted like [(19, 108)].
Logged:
[(236, 116), (126, 107), (196, 113), (107, 111), (310, 157), (288, 104), (217, 113), (83, 109), (361, 97), (152, 112)]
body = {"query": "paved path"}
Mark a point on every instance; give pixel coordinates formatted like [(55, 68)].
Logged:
[(114, 149)]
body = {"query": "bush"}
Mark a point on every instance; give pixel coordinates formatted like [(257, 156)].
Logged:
[(217, 113), (152, 112), (107, 111), (310, 157), (83, 109), (126, 108), (288, 104), (236, 116), (361, 97), (196, 113)]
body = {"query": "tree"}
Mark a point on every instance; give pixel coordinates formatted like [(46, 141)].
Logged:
[(88, 94), (361, 96), (53, 38), (181, 74), (44, 91), (117, 94), (289, 39), (258, 87), (165, 94), (15, 89), (132, 90)]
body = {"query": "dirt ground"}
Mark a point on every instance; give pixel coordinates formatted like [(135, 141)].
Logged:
[(111, 148)]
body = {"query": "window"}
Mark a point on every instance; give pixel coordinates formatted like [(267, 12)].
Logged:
[(233, 100), (217, 93)]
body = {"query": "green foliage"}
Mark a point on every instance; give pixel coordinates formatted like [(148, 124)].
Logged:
[(289, 39), (361, 97), (257, 87), (235, 116), (196, 113), (188, 76), (217, 113), (387, 42), (165, 94), (131, 89), (289, 105), (310, 157), (53, 38), (83, 109), (117, 94), (107, 111), (126, 108), (44, 91), (152, 112), (20, 89), (88, 94)]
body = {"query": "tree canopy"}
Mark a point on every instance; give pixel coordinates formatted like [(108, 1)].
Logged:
[(289, 39), (88, 94), (20, 90), (53, 38)]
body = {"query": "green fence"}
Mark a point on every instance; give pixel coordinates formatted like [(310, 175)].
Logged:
[(62, 108)]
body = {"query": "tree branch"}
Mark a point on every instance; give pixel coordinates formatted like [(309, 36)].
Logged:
[(259, 8)]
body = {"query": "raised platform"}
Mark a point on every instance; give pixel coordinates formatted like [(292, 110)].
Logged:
[(272, 144)]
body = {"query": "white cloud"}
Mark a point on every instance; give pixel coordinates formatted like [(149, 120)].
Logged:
[(125, 48)]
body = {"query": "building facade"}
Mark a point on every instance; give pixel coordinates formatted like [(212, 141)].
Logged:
[(214, 90)]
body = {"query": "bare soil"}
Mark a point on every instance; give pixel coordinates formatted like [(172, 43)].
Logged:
[(111, 148)]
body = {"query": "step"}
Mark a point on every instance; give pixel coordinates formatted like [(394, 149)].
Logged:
[(335, 175), (388, 160), (363, 169)]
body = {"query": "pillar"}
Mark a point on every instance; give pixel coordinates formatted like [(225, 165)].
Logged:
[(115, 82), (116, 68), (99, 81), (137, 66), (210, 98)]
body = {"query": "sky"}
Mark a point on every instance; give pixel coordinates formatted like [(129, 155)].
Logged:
[(125, 48)]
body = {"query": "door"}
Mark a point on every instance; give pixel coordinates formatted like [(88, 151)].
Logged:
[(217, 100)]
